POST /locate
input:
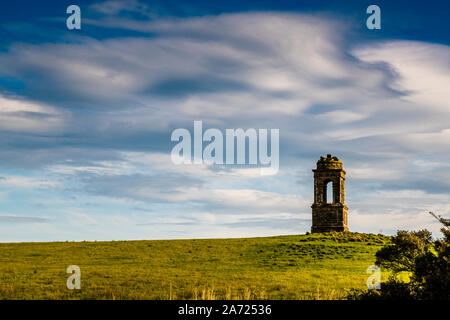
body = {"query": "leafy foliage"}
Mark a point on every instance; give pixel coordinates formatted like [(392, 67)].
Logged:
[(426, 262)]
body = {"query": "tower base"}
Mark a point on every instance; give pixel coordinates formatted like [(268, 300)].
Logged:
[(320, 229)]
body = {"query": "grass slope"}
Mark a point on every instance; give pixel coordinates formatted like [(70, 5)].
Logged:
[(314, 266)]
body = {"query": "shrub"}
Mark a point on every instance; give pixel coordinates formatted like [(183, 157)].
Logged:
[(424, 260)]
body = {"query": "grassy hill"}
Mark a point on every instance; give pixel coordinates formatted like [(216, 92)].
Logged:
[(314, 266)]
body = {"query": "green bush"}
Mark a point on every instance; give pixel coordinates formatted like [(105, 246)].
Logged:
[(424, 260)]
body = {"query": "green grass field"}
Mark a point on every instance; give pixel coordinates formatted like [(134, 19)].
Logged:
[(317, 266)]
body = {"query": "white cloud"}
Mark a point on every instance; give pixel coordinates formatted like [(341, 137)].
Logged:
[(27, 182), (21, 115), (423, 70), (339, 116), (113, 7)]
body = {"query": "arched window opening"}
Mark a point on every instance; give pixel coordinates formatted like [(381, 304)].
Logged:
[(328, 195)]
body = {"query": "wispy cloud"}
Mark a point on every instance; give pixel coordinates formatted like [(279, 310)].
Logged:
[(15, 219)]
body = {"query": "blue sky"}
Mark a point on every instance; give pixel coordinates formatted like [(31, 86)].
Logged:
[(86, 115)]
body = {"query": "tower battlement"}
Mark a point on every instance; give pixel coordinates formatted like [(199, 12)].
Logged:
[(329, 162)]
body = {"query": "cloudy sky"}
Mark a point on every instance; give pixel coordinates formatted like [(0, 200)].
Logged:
[(86, 115)]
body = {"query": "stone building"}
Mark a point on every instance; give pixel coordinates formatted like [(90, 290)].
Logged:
[(329, 212)]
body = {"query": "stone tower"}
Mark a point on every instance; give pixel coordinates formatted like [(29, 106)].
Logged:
[(329, 213)]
